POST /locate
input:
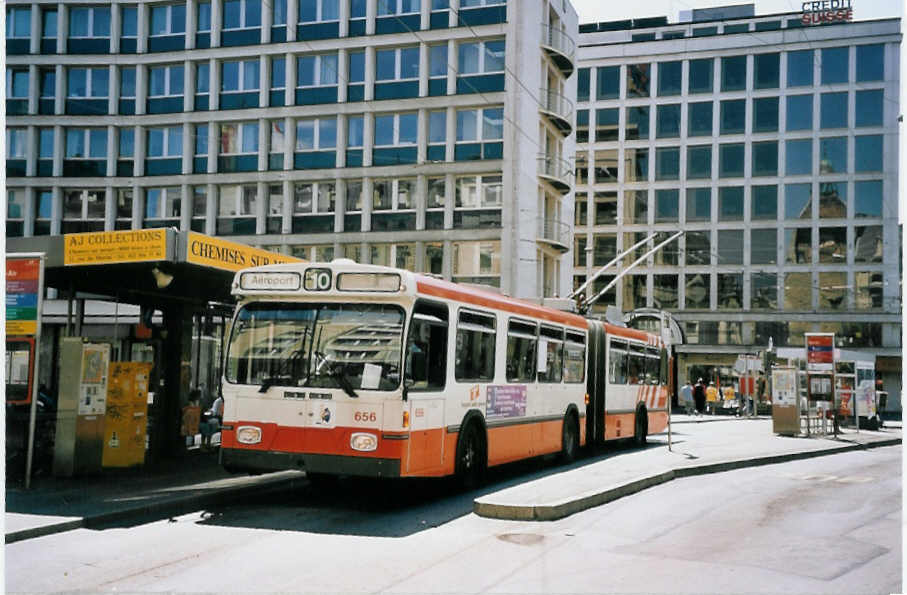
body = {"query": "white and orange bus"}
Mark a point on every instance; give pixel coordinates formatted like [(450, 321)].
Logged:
[(342, 368)]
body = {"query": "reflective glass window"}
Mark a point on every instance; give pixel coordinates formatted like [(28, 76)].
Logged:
[(697, 291), (868, 153), (698, 248), (833, 155), (766, 71), (798, 245), (799, 112), (730, 203), (701, 75), (700, 119), (607, 124), (867, 243), (798, 291), (764, 291), (582, 84), (607, 82), (870, 62), (636, 207), (637, 126), (730, 160), (870, 107), (699, 204), (834, 65), (765, 158), (668, 121), (666, 206), (833, 245), (669, 78), (764, 246), (798, 201), (667, 163), (730, 291), (733, 73), (730, 246), (800, 68), (765, 114), (833, 112), (699, 162), (733, 116), (764, 202), (637, 164), (832, 200), (638, 80), (867, 198), (798, 157)]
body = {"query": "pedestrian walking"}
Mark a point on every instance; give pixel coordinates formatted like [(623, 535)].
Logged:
[(711, 397), (699, 397), (686, 398)]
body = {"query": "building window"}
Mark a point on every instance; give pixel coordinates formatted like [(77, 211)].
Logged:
[(168, 19), (730, 160), (730, 247), (45, 143), (868, 153), (832, 200), (437, 127), (700, 119), (127, 143), (48, 83), (165, 81), (201, 140), (835, 65), (129, 18), (698, 248), (49, 23), (667, 121), (636, 164), (667, 163), (698, 290), (733, 116), (638, 80), (730, 203), (204, 17), (637, 126), (239, 138), (492, 124), (666, 206), (833, 112), (165, 142), (393, 194), (162, 203), (239, 77), (607, 124), (833, 245), (669, 78), (764, 246), (582, 84), (316, 133), (396, 7), (316, 71), (242, 14), (86, 143), (798, 201), (730, 290), (867, 243), (437, 60), (765, 158), (699, 162), (317, 11), (868, 199), (478, 192), (236, 209), (800, 68), (397, 64), (18, 22), (83, 205), (699, 204), (396, 129), (16, 83), (607, 82), (764, 202), (764, 291), (833, 155), (16, 142), (798, 291), (355, 130), (87, 82), (314, 198), (477, 261), (87, 22), (733, 73), (701, 76), (605, 209), (481, 57), (437, 193), (870, 108), (127, 82), (799, 112), (868, 290), (765, 114), (870, 63), (766, 71), (799, 157), (636, 207), (279, 13), (203, 78)]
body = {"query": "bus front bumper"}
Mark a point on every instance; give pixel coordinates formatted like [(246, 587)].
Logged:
[(257, 461)]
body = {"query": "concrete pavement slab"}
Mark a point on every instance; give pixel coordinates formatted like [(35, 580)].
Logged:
[(699, 445)]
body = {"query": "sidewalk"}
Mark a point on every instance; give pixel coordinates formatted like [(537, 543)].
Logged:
[(703, 444), (53, 505)]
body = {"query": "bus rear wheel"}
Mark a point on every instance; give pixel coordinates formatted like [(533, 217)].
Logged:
[(471, 457), (641, 427), (569, 438)]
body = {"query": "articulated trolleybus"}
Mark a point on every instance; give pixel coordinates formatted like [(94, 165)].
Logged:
[(341, 368)]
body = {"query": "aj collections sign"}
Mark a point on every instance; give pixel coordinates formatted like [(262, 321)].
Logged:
[(818, 12)]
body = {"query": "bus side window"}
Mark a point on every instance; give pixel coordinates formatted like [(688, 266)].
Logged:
[(551, 351), (617, 359), (575, 357), (475, 347), (653, 365), (636, 370), (521, 351), (426, 348)]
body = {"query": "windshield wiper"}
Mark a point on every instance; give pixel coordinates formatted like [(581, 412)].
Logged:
[(336, 373), (283, 375)]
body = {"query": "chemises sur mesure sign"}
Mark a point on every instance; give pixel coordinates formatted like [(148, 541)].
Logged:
[(230, 256)]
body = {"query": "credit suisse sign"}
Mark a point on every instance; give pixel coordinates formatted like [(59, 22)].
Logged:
[(817, 12), (230, 256)]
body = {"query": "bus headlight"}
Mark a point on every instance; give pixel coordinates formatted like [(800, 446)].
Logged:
[(363, 442), (248, 434)]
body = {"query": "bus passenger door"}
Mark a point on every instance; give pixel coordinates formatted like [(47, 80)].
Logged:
[(425, 378)]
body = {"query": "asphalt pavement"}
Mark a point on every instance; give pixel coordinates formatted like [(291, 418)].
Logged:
[(706, 444)]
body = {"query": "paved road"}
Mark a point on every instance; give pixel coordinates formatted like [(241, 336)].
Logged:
[(824, 525)]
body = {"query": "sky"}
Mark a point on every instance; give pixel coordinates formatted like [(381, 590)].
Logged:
[(593, 11)]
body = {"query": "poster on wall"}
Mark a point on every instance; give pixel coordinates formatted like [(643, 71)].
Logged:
[(93, 388)]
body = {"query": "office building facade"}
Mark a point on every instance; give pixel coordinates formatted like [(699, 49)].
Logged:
[(774, 147), (433, 135)]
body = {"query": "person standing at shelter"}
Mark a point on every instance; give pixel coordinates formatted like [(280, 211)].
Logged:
[(699, 397), (212, 422), (711, 397), (686, 398)]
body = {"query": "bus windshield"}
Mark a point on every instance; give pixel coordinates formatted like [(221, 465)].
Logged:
[(348, 346)]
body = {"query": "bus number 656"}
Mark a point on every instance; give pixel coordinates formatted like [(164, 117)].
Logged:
[(364, 416)]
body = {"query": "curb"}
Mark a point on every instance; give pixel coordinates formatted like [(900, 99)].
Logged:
[(559, 510), (169, 507)]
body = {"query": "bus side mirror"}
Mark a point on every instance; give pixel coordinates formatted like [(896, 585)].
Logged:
[(408, 383)]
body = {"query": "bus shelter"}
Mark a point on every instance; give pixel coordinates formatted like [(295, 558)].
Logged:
[(178, 284)]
